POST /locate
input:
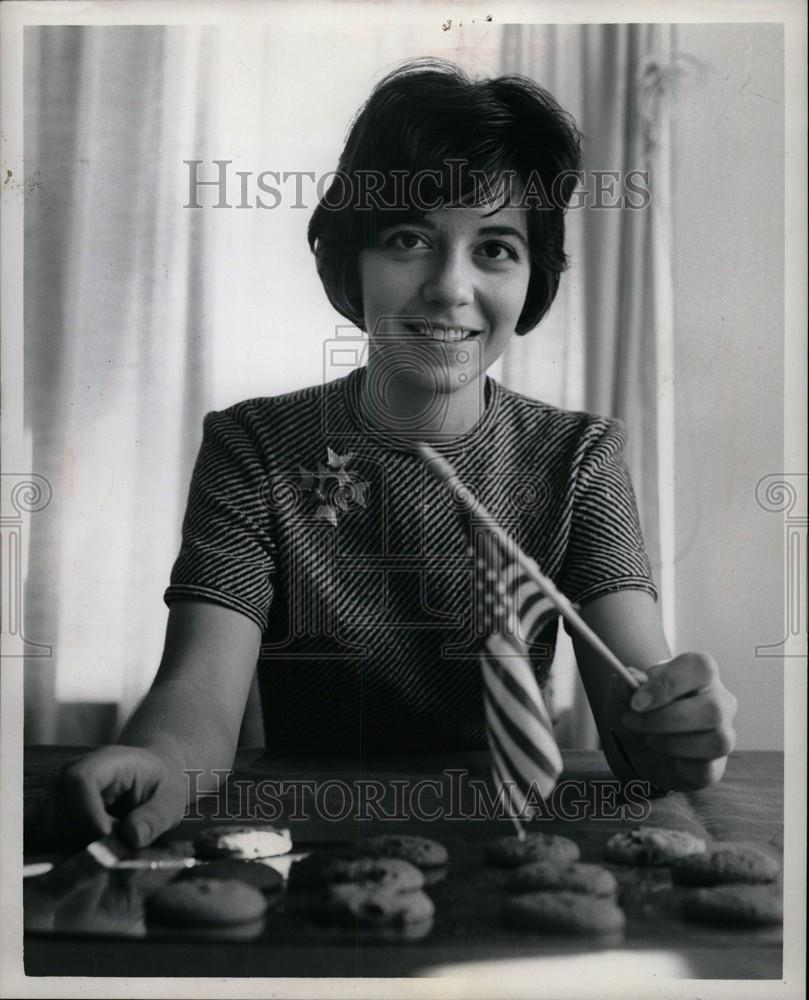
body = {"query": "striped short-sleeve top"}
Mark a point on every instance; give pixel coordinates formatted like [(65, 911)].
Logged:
[(369, 636)]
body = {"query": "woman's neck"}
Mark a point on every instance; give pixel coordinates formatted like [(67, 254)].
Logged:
[(425, 413)]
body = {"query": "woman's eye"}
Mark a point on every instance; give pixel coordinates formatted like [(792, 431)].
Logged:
[(499, 251), (405, 241)]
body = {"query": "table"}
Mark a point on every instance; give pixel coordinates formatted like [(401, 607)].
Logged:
[(344, 800)]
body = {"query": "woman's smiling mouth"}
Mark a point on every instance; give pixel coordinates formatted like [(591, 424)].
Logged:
[(439, 331)]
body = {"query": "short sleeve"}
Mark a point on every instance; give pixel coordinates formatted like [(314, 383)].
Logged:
[(605, 551), (227, 552)]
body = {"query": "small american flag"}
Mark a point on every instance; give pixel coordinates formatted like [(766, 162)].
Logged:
[(518, 718), (525, 757)]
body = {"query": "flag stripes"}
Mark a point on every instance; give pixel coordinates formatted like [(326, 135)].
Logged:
[(535, 610), (531, 749), (527, 765), (520, 701), (505, 687)]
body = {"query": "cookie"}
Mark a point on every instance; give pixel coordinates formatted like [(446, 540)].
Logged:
[(349, 903), (651, 845), (433, 875), (254, 873), (203, 902), (723, 865), (563, 913), (419, 851), (510, 852), (226, 932), (593, 880), (383, 873), (750, 905), (242, 842)]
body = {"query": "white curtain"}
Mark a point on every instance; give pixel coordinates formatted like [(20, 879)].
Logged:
[(117, 346), (606, 344)]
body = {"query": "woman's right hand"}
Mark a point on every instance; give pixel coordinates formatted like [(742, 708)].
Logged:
[(129, 788), (192, 712)]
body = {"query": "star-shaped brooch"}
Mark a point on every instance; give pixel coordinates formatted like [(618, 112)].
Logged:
[(334, 487)]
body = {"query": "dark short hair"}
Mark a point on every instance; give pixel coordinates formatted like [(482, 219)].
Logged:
[(424, 116)]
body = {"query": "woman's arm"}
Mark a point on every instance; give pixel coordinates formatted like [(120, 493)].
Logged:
[(194, 709), (681, 738), (189, 720)]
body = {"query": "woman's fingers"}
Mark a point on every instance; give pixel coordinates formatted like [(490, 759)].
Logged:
[(696, 746), (80, 801), (684, 710), (711, 709), (618, 693), (689, 775), (161, 811), (679, 722), (91, 793), (666, 682)]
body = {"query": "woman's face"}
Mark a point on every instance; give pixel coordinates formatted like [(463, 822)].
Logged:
[(448, 287)]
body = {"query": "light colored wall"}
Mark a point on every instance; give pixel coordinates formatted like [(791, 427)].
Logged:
[(729, 320)]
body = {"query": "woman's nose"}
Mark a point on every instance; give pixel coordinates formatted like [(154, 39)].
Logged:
[(450, 282)]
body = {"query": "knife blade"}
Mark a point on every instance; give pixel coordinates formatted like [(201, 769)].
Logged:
[(111, 853)]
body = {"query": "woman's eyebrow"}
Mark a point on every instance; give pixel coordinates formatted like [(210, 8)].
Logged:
[(502, 231), (427, 223)]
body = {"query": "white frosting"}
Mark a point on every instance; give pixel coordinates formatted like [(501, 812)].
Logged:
[(256, 843)]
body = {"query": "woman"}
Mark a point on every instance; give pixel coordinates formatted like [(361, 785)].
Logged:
[(315, 545)]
